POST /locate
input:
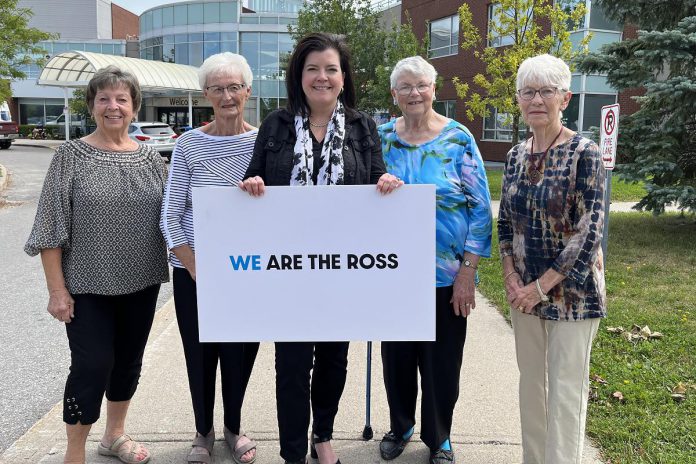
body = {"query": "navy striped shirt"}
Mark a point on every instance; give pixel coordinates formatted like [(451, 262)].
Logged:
[(200, 160)]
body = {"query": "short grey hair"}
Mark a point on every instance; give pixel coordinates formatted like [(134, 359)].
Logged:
[(545, 70), (110, 77), (415, 65), (225, 63)]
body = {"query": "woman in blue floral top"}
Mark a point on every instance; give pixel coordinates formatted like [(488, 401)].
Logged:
[(423, 147), (550, 229)]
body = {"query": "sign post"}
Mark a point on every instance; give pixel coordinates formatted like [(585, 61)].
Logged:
[(608, 138)]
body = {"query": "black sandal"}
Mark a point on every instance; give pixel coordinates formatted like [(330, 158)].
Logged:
[(441, 457), (392, 446)]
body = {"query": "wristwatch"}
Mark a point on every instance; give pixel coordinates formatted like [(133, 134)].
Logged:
[(468, 263)]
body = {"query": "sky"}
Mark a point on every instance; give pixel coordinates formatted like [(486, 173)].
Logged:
[(138, 6)]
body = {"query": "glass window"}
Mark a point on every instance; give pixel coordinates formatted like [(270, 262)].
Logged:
[(498, 126), (211, 36), (181, 38), (571, 115), (31, 113), (268, 20), (196, 53), (445, 108), (108, 49), (157, 53), (266, 105), (146, 22), (149, 54), (598, 20), (568, 6), (602, 38), (168, 39), (195, 13), (211, 12), (180, 15), (59, 47), (282, 20), (210, 48), (196, 37), (181, 53), (228, 36), (268, 37), (228, 47), (167, 16), (444, 36), (53, 110), (249, 20), (494, 37), (168, 53), (592, 110), (93, 47), (249, 49), (228, 12), (269, 88), (157, 19)]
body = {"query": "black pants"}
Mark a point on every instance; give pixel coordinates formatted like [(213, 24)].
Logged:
[(439, 363), (293, 362), (107, 338), (236, 362)]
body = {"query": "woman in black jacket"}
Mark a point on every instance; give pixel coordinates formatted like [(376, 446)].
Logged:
[(320, 139)]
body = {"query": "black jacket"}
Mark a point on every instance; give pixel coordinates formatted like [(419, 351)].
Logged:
[(273, 152)]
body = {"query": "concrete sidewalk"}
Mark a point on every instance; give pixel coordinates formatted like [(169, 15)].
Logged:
[(485, 430)]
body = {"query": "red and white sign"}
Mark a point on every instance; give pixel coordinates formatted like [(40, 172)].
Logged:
[(608, 135)]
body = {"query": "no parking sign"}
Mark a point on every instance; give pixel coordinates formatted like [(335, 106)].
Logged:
[(608, 135)]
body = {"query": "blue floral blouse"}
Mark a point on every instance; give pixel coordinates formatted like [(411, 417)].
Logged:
[(557, 224), (453, 163)]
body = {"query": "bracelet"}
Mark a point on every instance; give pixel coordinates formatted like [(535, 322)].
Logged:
[(544, 298), (508, 275)]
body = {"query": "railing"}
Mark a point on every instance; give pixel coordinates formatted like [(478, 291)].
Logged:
[(381, 5)]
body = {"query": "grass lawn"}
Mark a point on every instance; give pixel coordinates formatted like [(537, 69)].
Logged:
[(620, 191), (650, 281)]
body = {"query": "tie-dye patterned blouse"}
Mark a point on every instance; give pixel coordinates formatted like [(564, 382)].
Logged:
[(453, 163), (557, 224)]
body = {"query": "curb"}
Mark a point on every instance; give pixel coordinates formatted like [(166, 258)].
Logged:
[(3, 177)]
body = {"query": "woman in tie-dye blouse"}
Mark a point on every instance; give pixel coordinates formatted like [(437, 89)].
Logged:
[(423, 147), (550, 230)]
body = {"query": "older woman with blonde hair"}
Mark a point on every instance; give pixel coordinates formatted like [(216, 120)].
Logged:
[(216, 154), (424, 147), (104, 260), (550, 230)]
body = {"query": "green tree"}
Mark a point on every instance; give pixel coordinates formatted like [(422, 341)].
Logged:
[(374, 49), (657, 144), (525, 27), (78, 104), (17, 43)]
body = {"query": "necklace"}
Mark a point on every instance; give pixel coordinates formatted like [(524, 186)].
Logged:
[(535, 172), (318, 125)]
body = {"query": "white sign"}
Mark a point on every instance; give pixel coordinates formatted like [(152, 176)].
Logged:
[(608, 135), (315, 264)]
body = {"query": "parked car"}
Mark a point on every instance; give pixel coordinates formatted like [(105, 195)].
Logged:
[(156, 134), (78, 125), (9, 130)]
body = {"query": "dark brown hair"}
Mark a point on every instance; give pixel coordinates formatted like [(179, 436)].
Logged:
[(317, 42), (110, 77)]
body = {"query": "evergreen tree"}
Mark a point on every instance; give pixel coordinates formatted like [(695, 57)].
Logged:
[(374, 48), (17, 44), (657, 144)]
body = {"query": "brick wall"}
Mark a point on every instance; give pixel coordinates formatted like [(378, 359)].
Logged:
[(123, 23)]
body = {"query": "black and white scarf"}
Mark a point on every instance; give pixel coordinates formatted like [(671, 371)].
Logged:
[(331, 158)]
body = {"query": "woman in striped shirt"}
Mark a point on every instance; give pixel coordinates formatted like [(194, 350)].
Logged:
[(214, 155)]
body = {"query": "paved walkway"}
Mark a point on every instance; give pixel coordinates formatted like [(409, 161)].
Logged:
[(486, 422)]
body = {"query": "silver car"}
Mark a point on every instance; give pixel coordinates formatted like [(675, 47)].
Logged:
[(158, 135)]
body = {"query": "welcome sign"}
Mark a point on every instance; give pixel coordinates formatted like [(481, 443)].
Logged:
[(315, 264)]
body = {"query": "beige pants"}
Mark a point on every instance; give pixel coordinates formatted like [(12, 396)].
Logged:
[(554, 362)]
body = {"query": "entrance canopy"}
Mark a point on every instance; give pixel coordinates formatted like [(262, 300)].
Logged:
[(75, 69)]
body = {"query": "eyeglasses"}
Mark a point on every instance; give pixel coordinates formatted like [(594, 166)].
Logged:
[(407, 89), (529, 93), (218, 90)]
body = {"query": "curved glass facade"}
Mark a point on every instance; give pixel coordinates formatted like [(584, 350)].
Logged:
[(189, 32)]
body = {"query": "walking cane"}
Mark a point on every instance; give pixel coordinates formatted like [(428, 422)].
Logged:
[(367, 431)]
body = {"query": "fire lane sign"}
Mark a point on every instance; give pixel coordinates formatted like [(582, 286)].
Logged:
[(609, 131)]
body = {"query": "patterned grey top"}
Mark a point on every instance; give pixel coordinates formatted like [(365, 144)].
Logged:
[(103, 209)]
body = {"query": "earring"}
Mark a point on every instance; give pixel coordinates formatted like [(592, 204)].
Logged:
[(395, 102)]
